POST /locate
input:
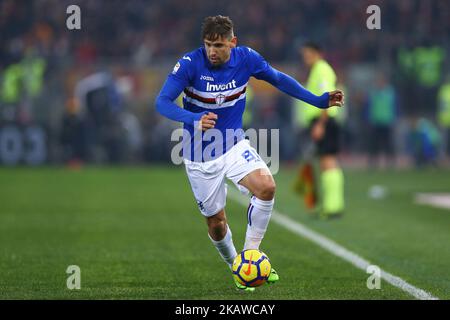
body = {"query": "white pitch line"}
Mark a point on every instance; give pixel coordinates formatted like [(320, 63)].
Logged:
[(337, 250), (437, 200)]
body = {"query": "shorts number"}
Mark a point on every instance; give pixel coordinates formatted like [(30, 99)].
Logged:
[(249, 155)]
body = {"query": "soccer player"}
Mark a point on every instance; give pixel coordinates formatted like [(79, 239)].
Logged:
[(324, 130), (214, 78)]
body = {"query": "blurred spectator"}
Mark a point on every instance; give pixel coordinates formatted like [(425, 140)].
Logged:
[(133, 136), (382, 115), (101, 108), (73, 135), (423, 64), (12, 83), (21, 84), (443, 115), (423, 142)]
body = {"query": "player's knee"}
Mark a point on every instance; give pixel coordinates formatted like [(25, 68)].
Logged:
[(218, 225), (267, 190)]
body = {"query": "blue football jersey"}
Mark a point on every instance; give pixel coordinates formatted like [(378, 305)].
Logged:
[(219, 89)]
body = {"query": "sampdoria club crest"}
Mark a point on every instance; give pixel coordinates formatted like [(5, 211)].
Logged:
[(220, 98)]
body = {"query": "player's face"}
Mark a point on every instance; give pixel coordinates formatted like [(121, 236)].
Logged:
[(219, 50)]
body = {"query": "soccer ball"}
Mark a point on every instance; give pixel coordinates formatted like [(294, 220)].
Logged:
[(251, 268)]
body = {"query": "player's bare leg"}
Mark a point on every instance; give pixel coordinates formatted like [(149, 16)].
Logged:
[(217, 225), (220, 234), (262, 185)]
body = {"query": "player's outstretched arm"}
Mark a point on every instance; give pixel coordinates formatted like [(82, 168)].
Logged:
[(260, 69), (292, 87)]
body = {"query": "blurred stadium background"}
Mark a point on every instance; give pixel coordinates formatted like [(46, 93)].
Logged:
[(85, 98), (118, 60)]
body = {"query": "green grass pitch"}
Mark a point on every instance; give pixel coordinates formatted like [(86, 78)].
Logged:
[(136, 233)]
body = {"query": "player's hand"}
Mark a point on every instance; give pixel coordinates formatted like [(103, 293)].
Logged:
[(336, 98), (207, 121)]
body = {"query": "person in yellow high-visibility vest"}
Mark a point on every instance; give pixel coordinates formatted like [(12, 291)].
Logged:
[(443, 114), (324, 130), (11, 86)]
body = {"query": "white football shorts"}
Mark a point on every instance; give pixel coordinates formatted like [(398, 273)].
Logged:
[(207, 179)]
